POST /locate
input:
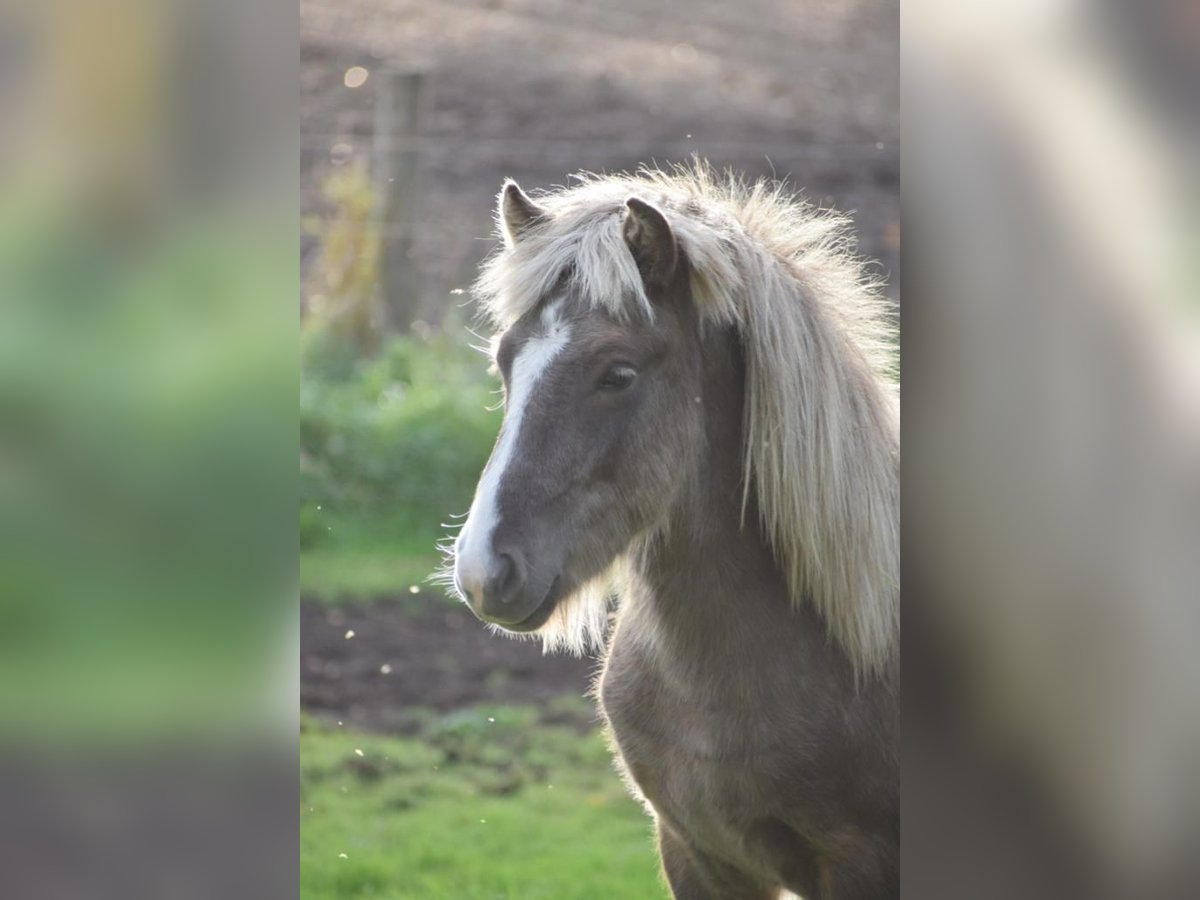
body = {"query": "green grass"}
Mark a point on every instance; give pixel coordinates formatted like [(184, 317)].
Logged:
[(367, 568), (487, 804), (364, 556)]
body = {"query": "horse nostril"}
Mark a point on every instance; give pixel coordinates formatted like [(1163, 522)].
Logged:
[(504, 581)]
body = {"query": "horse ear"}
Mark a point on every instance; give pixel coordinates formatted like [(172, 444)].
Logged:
[(516, 211), (651, 241)]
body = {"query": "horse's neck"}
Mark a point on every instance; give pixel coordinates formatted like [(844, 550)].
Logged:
[(707, 581)]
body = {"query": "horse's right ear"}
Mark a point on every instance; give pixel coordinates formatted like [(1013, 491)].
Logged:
[(650, 240), (516, 212)]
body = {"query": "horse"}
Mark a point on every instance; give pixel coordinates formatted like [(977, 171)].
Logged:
[(699, 421)]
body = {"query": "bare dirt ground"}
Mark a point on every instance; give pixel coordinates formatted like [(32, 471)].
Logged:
[(537, 89), (419, 653)]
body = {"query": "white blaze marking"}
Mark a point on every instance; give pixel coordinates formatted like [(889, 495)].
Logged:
[(534, 358)]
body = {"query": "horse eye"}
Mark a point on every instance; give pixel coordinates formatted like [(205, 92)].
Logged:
[(617, 378)]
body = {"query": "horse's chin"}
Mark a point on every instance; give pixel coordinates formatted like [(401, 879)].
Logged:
[(541, 613)]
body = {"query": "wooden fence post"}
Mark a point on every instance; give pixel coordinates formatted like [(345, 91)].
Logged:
[(396, 174)]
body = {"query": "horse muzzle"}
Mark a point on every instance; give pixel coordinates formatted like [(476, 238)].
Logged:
[(497, 587)]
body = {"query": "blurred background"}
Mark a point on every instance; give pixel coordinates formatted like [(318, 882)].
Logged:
[(1051, 455), (441, 760)]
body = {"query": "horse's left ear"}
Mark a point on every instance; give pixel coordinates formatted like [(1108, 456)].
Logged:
[(651, 241)]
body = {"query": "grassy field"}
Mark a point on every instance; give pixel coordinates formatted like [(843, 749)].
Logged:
[(372, 562), (486, 804)]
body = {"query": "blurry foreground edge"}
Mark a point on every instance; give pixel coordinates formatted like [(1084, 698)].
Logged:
[(148, 340), (1052, 497)]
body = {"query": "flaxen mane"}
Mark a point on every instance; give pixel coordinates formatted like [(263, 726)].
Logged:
[(822, 419)]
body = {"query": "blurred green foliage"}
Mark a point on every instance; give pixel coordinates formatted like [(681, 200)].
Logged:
[(402, 437), (344, 301), (391, 448), (394, 429), (146, 382)]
